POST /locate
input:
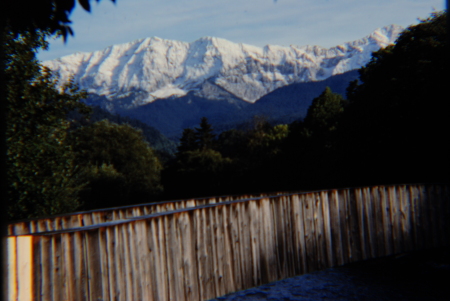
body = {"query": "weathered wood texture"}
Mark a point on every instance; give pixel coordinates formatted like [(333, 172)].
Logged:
[(93, 217), (199, 253)]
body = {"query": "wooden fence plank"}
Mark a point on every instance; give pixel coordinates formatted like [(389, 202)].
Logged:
[(68, 269), (104, 261), (143, 259), (378, 219), (255, 236), (353, 239), (228, 245), (199, 247), (218, 249), (177, 250), (280, 236), (161, 289), (94, 264), (11, 268), (37, 272), (168, 246), (308, 218), (25, 267), (294, 215), (362, 222), (320, 232), (206, 263), (79, 253), (245, 246), (211, 265), (387, 223), (406, 219), (134, 241), (416, 220), (371, 222), (290, 236), (119, 267), (263, 240), (395, 219), (235, 247), (343, 224), (108, 251), (46, 257), (152, 258), (190, 263), (327, 229), (56, 267), (336, 235)]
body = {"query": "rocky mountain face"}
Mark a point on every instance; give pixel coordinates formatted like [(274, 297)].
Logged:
[(212, 75)]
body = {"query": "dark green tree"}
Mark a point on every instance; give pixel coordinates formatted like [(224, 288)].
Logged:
[(397, 116), (187, 141), (309, 148), (197, 173), (324, 113), (120, 166), (42, 176), (204, 135)]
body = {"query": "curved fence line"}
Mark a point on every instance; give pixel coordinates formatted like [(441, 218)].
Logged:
[(208, 251)]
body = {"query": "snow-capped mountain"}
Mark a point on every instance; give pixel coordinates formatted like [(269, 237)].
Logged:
[(130, 75)]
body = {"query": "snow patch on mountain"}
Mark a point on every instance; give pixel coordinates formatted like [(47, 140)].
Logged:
[(153, 68)]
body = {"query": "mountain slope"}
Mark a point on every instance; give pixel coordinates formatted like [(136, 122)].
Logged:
[(291, 102), (283, 105)]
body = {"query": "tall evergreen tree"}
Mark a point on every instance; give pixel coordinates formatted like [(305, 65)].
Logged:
[(324, 112), (204, 134), (187, 141)]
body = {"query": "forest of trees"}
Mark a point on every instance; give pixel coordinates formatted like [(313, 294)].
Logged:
[(389, 128)]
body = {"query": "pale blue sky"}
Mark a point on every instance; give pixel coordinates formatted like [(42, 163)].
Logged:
[(257, 22)]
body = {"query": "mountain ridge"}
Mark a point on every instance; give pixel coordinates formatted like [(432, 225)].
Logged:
[(170, 84), (155, 68)]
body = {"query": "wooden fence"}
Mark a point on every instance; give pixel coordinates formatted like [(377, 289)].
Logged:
[(198, 253), (94, 217)]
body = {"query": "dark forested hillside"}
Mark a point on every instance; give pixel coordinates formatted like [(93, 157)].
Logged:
[(160, 143), (290, 103), (283, 105)]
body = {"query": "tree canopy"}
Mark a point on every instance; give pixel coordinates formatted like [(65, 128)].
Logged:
[(42, 176), (397, 113), (119, 165)]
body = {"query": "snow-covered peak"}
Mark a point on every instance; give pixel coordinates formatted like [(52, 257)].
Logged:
[(154, 68)]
